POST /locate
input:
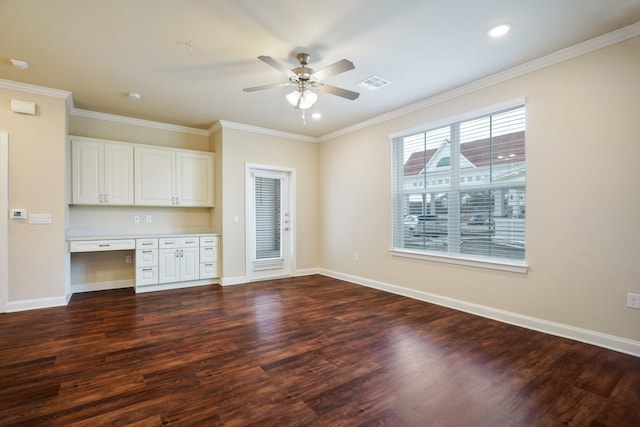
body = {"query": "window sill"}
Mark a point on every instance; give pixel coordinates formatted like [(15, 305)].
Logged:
[(469, 261)]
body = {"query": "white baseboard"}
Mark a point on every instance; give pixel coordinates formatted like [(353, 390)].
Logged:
[(611, 342), (32, 304), (175, 285), (229, 281), (102, 286), (240, 280), (306, 272)]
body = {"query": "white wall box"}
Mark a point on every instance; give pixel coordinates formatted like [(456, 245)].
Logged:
[(173, 177), (102, 172)]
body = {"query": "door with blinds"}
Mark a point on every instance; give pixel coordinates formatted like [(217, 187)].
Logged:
[(269, 223)]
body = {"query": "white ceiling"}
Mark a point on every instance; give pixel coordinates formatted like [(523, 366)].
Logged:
[(102, 49)]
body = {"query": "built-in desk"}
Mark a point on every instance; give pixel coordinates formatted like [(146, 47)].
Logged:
[(162, 261)]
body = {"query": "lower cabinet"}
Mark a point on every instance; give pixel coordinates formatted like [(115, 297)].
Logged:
[(146, 262), (177, 259)]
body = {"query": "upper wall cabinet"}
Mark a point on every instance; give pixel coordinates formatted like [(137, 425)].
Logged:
[(172, 177), (102, 172)]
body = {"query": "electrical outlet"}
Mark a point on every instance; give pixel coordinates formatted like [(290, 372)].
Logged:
[(127, 259), (148, 218), (633, 300), (356, 256)]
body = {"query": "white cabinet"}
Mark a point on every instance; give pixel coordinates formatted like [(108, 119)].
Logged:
[(146, 262), (171, 177), (209, 247), (179, 259), (102, 172)]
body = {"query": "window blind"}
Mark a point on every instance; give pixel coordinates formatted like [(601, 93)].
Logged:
[(459, 189), (268, 214)]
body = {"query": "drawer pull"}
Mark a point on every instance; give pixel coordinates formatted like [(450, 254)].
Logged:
[(147, 244), (147, 269), (189, 242), (147, 252), (104, 245)]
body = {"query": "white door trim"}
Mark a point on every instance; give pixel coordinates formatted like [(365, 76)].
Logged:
[(4, 220), (291, 236)]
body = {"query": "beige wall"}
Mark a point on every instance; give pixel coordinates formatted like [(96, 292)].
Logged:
[(36, 183), (241, 147), (583, 229)]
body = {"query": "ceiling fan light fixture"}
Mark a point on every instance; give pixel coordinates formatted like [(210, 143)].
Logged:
[(302, 99)]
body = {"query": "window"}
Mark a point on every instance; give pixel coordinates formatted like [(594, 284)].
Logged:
[(267, 217), (472, 209)]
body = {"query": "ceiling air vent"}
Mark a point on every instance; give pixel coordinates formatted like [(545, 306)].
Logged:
[(373, 83)]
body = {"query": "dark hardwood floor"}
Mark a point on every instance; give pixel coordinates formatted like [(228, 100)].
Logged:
[(309, 351)]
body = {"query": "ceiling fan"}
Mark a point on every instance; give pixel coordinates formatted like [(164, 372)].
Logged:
[(305, 80)]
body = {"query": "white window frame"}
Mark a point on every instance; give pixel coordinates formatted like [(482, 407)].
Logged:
[(516, 266)]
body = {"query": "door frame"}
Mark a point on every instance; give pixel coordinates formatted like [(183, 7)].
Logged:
[(4, 220), (290, 236)]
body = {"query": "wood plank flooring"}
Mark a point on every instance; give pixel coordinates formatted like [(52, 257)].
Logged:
[(310, 351)]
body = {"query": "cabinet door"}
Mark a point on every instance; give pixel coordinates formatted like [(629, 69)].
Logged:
[(168, 265), (154, 177), (189, 263), (87, 172), (118, 174), (194, 179)]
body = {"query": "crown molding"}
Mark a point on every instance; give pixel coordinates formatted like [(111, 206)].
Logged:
[(136, 122), (265, 131), (35, 89), (563, 55)]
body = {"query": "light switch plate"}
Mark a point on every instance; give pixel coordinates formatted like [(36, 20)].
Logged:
[(44, 218)]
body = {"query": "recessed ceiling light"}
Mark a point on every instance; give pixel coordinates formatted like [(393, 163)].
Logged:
[(135, 96), (19, 64), (499, 30), (316, 116)]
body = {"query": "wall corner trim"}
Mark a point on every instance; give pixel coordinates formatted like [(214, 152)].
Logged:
[(265, 131), (38, 90), (562, 55)]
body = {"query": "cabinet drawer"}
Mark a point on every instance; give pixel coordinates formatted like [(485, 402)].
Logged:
[(146, 257), (209, 254), (208, 270), (189, 242), (146, 276), (178, 242), (146, 243), (208, 240), (101, 245)]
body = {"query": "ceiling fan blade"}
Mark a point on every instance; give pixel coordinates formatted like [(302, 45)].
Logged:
[(333, 90), (273, 86), (278, 66), (333, 69)]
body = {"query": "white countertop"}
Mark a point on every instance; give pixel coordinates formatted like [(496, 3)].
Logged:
[(110, 234)]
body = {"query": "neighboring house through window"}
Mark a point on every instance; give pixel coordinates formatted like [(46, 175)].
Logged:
[(459, 189)]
